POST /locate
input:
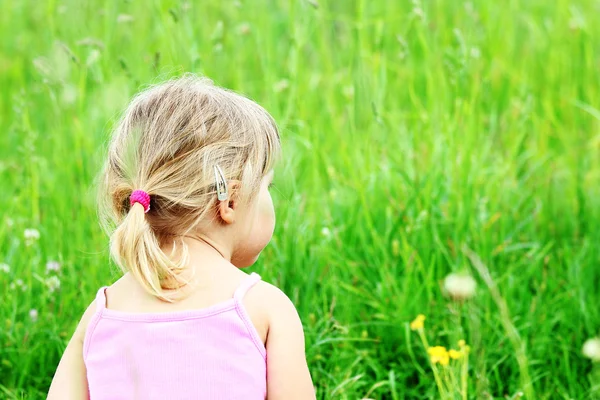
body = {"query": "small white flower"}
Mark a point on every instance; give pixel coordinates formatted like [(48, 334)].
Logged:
[(53, 283), (33, 314), (460, 286), (18, 284), (52, 266), (4, 268), (31, 235), (591, 349), (326, 232)]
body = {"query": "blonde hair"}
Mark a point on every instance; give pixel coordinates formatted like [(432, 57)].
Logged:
[(167, 144)]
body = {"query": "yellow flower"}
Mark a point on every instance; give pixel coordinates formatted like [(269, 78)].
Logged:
[(455, 355), (418, 323), (438, 354), (461, 343)]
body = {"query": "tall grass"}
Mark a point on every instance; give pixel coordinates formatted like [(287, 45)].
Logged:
[(411, 131)]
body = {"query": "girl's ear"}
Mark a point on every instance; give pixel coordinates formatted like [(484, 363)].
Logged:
[(227, 208)]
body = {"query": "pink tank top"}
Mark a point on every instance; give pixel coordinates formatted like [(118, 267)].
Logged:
[(210, 353)]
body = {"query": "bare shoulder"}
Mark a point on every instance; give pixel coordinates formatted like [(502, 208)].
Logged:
[(84, 322), (273, 300), (269, 306)]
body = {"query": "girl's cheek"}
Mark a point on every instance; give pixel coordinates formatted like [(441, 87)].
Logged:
[(269, 209)]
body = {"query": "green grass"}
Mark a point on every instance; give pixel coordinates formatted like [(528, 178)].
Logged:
[(411, 139)]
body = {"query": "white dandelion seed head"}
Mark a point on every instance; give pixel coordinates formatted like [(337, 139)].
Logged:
[(326, 232), (591, 349), (33, 314), (460, 286), (4, 268)]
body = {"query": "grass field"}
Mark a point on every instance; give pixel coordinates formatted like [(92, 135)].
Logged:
[(420, 139)]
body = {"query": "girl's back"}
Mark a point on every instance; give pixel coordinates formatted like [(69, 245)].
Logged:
[(213, 350)]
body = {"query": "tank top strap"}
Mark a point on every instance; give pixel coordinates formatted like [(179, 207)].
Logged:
[(246, 284), (101, 299)]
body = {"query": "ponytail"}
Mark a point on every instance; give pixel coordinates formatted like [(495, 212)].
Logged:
[(136, 249)]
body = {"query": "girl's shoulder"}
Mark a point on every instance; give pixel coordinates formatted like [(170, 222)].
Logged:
[(268, 305), (268, 296)]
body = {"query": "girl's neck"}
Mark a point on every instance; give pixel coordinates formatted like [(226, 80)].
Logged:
[(204, 241), (206, 260)]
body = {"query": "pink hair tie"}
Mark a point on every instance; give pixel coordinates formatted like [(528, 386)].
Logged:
[(139, 196)]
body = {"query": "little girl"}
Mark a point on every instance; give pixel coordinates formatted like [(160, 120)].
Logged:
[(186, 186)]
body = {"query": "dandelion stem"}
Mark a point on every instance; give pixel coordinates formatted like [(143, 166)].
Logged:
[(464, 372), (510, 329)]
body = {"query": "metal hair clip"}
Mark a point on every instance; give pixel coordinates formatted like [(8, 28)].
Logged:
[(221, 184)]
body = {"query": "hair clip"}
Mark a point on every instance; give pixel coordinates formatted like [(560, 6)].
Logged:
[(221, 184)]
